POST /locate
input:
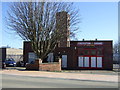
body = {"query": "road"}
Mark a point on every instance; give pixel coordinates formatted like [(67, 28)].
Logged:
[(14, 81)]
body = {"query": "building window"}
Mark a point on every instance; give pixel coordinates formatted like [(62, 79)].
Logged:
[(86, 52), (93, 52), (99, 52), (81, 53)]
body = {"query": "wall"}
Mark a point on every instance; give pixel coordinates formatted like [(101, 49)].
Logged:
[(34, 66), (2, 54), (14, 51), (26, 49), (55, 66), (108, 55), (70, 55), (16, 54)]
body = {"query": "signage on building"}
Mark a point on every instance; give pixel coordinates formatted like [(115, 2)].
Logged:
[(89, 43)]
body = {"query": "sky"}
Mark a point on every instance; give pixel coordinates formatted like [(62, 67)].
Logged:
[(98, 20), (119, 22)]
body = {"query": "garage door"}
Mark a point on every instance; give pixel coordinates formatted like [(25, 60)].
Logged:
[(93, 61), (99, 62), (83, 61), (90, 62), (86, 61), (80, 61)]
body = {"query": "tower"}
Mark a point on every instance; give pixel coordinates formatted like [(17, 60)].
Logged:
[(62, 24)]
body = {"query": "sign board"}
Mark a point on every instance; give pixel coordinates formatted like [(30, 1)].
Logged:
[(89, 43)]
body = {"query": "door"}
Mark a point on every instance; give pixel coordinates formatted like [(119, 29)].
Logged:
[(93, 61), (86, 61), (64, 61), (31, 57), (80, 61), (99, 62)]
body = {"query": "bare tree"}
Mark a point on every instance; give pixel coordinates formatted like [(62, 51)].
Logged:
[(119, 52), (116, 52), (115, 48), (36, 22)]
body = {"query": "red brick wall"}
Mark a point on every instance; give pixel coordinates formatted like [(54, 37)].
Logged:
[(34, 66), (27, 47), (108, 55), (55, 66)]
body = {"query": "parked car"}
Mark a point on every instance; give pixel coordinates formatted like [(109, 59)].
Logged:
[(10, 62)]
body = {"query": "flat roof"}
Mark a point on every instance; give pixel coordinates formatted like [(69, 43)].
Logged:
[(93, 41)]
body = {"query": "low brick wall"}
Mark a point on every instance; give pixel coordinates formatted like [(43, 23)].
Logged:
[(34, 66), (54, 66)]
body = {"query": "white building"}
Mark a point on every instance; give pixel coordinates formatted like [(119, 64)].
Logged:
[(16, 54)]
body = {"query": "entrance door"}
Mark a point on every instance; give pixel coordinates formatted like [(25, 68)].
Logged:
[(31, 57), (64, 61), (93, 61), (99, 62)]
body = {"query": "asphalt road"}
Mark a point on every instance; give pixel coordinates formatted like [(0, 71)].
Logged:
[(13, 81)]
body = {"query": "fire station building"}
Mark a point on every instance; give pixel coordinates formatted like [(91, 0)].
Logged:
[(78, 55), (87, 55)]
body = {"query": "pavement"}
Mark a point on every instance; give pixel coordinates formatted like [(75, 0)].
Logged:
[(63, 75)]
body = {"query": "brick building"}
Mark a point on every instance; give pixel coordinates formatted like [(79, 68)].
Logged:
[(86, 54)]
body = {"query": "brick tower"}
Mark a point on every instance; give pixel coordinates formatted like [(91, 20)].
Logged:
[(63, 22)]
